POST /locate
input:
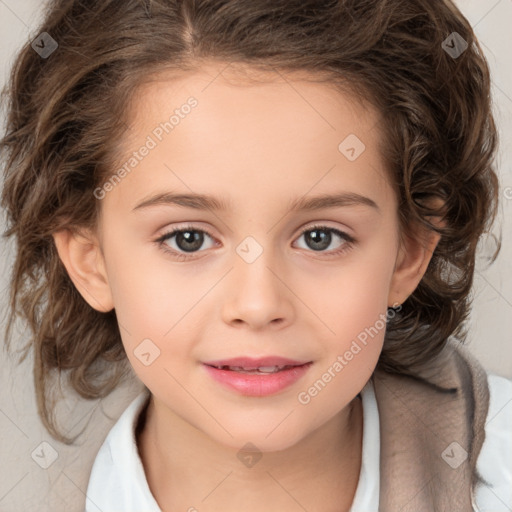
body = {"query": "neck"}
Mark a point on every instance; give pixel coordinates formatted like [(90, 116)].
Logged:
[(187, 470)]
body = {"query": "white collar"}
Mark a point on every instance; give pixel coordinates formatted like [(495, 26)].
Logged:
[(118, 481)]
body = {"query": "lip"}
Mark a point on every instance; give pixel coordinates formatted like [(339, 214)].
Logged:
[(257, 384), (256, 362)]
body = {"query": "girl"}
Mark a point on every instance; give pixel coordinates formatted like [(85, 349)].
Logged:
[(270, 211)]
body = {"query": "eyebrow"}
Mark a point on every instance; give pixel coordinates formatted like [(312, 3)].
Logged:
[(208, 202)]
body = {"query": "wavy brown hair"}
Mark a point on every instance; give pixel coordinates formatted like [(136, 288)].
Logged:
[(67, 113)]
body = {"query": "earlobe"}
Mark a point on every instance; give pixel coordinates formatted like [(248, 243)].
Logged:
[(414, 256), (83, 260)]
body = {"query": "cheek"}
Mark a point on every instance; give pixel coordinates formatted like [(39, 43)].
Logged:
[(147, 294), (366, 299), (353, 295), (158, 306), (355, 310)]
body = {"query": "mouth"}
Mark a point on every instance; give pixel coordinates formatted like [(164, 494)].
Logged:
[(263, 365), (261, 370), (257, 377)]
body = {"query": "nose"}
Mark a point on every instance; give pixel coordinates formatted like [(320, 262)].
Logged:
[(257, 294)]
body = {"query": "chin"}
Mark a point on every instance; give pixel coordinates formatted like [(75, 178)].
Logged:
[(257, 438)]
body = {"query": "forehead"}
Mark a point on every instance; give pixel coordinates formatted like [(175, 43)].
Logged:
[(264, 131), (219, 84)]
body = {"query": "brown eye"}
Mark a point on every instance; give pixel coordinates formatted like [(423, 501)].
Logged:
[(184, 240), (188, 241), (319, 238)]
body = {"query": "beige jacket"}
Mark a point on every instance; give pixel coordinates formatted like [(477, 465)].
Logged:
[(432, 431)]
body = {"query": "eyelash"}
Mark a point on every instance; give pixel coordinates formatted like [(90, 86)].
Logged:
[(349, 241)]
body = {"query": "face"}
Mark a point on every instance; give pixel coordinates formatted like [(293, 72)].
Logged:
[(248, 280)]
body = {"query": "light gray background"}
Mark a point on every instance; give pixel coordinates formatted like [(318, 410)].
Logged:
[(25, 486)]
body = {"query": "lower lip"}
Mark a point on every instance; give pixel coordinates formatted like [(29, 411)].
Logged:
[(251, 384)]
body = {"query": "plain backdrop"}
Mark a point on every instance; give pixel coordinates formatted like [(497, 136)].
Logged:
[(26, 486)]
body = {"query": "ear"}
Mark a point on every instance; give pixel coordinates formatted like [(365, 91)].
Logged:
[(414, 255), (80, 253)]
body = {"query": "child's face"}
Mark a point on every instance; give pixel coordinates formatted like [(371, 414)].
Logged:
[(257, 287)]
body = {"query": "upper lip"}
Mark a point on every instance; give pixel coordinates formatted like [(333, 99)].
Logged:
[(259, 362)]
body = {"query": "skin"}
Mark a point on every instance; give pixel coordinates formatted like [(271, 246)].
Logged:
[(259, 146)]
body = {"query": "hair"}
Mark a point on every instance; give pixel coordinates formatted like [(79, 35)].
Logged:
[(67, 113)]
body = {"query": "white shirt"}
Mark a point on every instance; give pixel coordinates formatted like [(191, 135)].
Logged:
[(118, 482)]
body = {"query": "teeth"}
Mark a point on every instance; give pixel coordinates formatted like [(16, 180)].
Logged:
[(261, 369), (270, 369)]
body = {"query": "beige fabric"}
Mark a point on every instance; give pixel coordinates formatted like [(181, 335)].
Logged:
[(431, 435)]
